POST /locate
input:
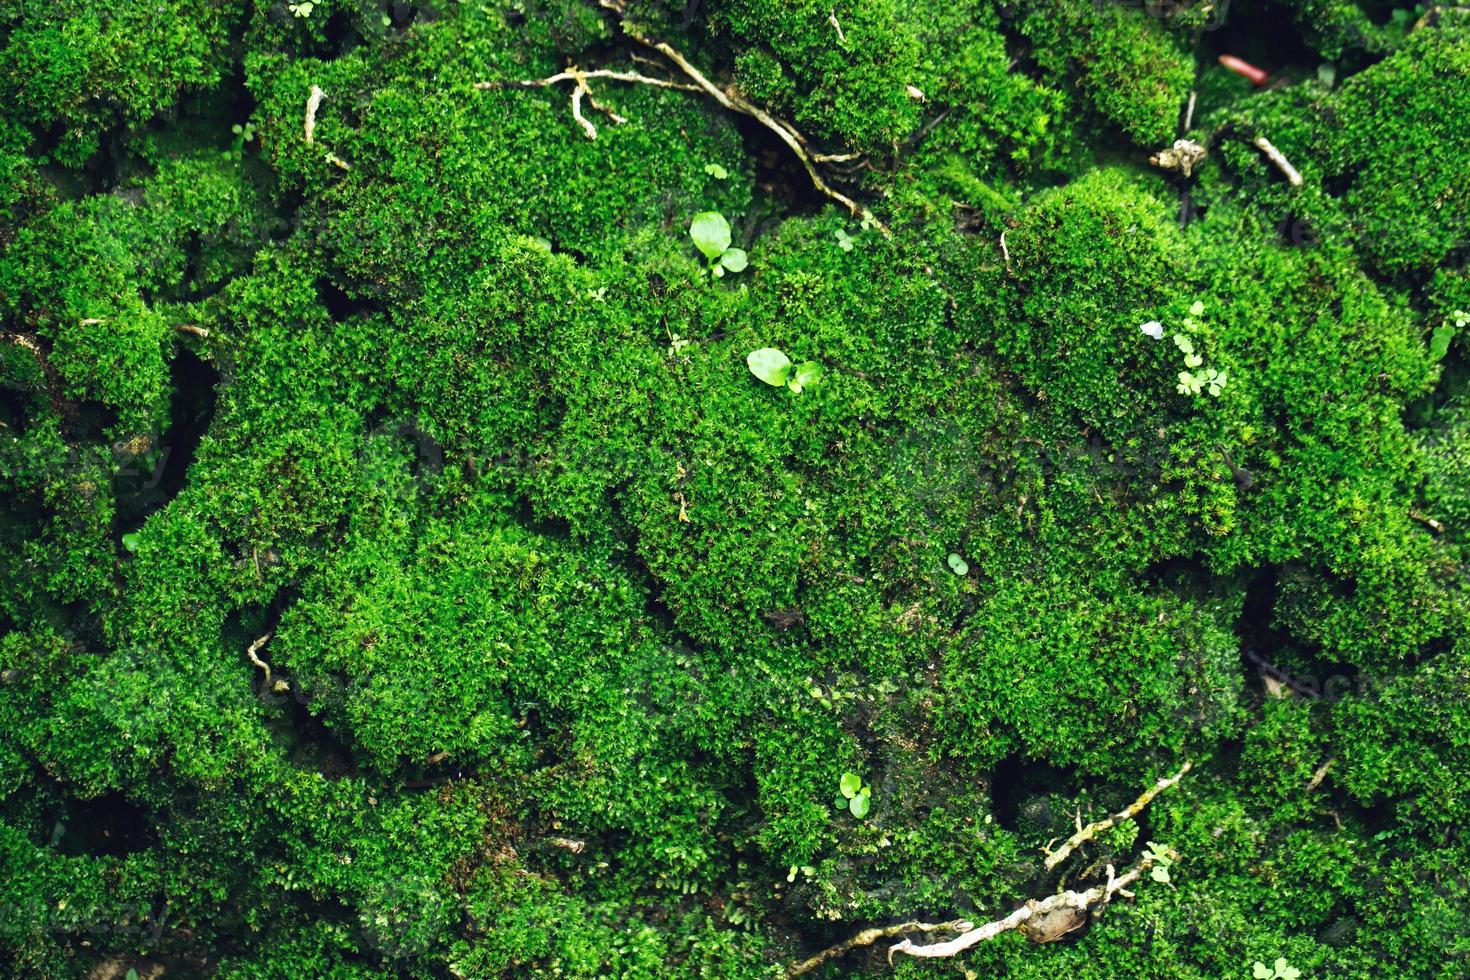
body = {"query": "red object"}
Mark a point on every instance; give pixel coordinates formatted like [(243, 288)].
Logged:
[(1240, 67)]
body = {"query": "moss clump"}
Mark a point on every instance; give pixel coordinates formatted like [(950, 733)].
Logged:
[(1391, 114), (407, 576), (1132, 70)]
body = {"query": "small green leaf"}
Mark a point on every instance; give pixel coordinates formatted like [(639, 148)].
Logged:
[(850, 783), (1261, 971), (131, 541), (958, 565), (1439, 341), (839, 802), (1159, 873), (711, 233), (770, 365), (860, 804), (716, 171), (734, 259), (1197, 308), (808, 373)]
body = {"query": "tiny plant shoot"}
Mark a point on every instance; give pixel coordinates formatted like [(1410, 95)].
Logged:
[(775, 369), (854, 795), (1280, 970), (711, 234)]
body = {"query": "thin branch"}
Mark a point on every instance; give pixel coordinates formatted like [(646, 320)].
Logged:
[(1080, 902), (1275, 156), (870, 936), (250, 652), (1085, 834), (313, 103), (1436, 526), (191, 328), (571, 76), (832, 19), (1320, 775), (787, 133), (577, 93)]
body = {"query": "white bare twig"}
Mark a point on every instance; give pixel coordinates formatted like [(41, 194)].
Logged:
[(870, 936), (1275, 156), (251, 652), (730, 100), (1081, 902), (313, 103), (1085, 834)]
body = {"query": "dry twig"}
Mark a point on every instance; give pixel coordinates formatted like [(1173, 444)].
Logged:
[(870, 936), (1085, 834), (251, 652), (1275, 156), (1076, 903), (313, 103), (730, 100)]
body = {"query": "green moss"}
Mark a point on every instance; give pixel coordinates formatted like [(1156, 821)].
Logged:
[(573, 624), (1407, 218), (87, 69), (1130, 68)]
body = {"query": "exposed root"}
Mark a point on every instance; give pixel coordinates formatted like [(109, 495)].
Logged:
[(250, 652), (191, 328), (1275, 156), (582, 121), (837, 26), (313, 103), (698, 82), (783, 131), (1320, 775), (870, 936), (1436, 526), (1076, 905), (1006, 254), (574, 74), (1085, 834)]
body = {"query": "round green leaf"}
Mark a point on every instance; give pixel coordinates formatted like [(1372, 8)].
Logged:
[(711, 233), (770, 365), (958, 565), (808, 373), (734, 259), (859, 805), (850, 783), (131, 541)]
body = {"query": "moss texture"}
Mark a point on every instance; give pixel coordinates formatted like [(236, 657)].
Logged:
[(573, 626)]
